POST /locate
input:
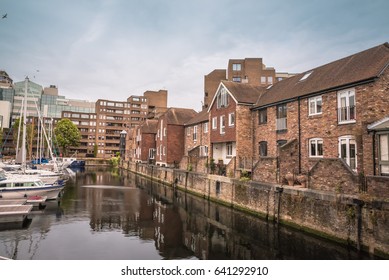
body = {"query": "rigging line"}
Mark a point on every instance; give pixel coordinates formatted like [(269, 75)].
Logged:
[(46, 138)]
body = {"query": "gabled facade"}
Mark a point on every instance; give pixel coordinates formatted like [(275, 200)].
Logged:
[(144, 141), (230, 124), (170, 135), (319, 118), (197, 135)]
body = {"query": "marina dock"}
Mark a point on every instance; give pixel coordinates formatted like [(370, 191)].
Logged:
[(12, 201), (15, 213)]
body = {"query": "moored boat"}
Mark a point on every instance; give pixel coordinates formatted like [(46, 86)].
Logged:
[(26, 186)]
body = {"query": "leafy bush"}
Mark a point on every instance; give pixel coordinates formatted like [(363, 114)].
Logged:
[(114, 161)]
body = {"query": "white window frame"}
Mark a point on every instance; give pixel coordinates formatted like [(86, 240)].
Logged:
[(188, 131), (348, 140), (195, 133), (222, 98), (236, 67), (383, 157), (347, 111), (314, 110), (205, 127), (261, 145), (229, 149), (231, 119), (315, 153), (151, 153), (222, 125), (214, 123), (203, 151)]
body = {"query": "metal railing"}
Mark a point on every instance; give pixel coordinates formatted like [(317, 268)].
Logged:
[(346, 114)]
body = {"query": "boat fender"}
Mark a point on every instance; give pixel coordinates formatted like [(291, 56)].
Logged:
[(25, 195)]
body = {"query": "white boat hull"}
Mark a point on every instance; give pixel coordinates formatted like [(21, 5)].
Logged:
[(51, 192)]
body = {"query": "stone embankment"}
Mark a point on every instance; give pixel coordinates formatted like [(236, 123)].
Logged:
[(355, 220)]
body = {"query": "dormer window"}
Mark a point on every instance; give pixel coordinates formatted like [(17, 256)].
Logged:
[(306, 75)]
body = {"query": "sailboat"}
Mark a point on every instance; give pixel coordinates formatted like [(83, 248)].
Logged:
[(29, 181)]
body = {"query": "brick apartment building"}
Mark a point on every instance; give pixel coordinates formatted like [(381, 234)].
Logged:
[(111, 118), (230, 123), (196, 143), (115, 116), (170, 135), (250, 71), (197, 135), (328, 123), (86, 123), (144, 147)]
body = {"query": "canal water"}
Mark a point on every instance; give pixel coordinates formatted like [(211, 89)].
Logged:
[(110, 214)]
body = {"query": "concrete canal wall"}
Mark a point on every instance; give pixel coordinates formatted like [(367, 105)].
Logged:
[(358, 220), (96, 162)]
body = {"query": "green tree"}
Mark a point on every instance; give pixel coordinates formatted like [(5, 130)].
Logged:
[(67, 135), (95, 150)]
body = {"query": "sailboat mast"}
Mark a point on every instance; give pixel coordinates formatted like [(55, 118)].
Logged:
[(20, 124), (24, 126)]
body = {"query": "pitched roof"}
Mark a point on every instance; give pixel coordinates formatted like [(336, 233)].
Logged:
[(149, 126), (198, 118), (240, 92), (357, 68), (244, 93), (382, 124), (179, 116)]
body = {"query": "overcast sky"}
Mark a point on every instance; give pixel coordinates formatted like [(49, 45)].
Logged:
[(113, 49)]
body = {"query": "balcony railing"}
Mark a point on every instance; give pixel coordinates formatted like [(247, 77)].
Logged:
[(346, 114), (281, 124)]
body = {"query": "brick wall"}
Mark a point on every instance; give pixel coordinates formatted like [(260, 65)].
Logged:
[(267, 132), (265, 170), (147, 142), (175, 144), (244, 132), (377, 186), (230, 131), (333, 175), (350, 218), (288, 159), (202, 137)]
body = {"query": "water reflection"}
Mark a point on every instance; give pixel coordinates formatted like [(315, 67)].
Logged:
[(112, 214)]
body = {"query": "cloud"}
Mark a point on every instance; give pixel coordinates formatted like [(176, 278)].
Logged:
[(114, 49)]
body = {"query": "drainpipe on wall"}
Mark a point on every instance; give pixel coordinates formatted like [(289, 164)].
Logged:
[(253, 143), (374, 161), (299, 136)]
